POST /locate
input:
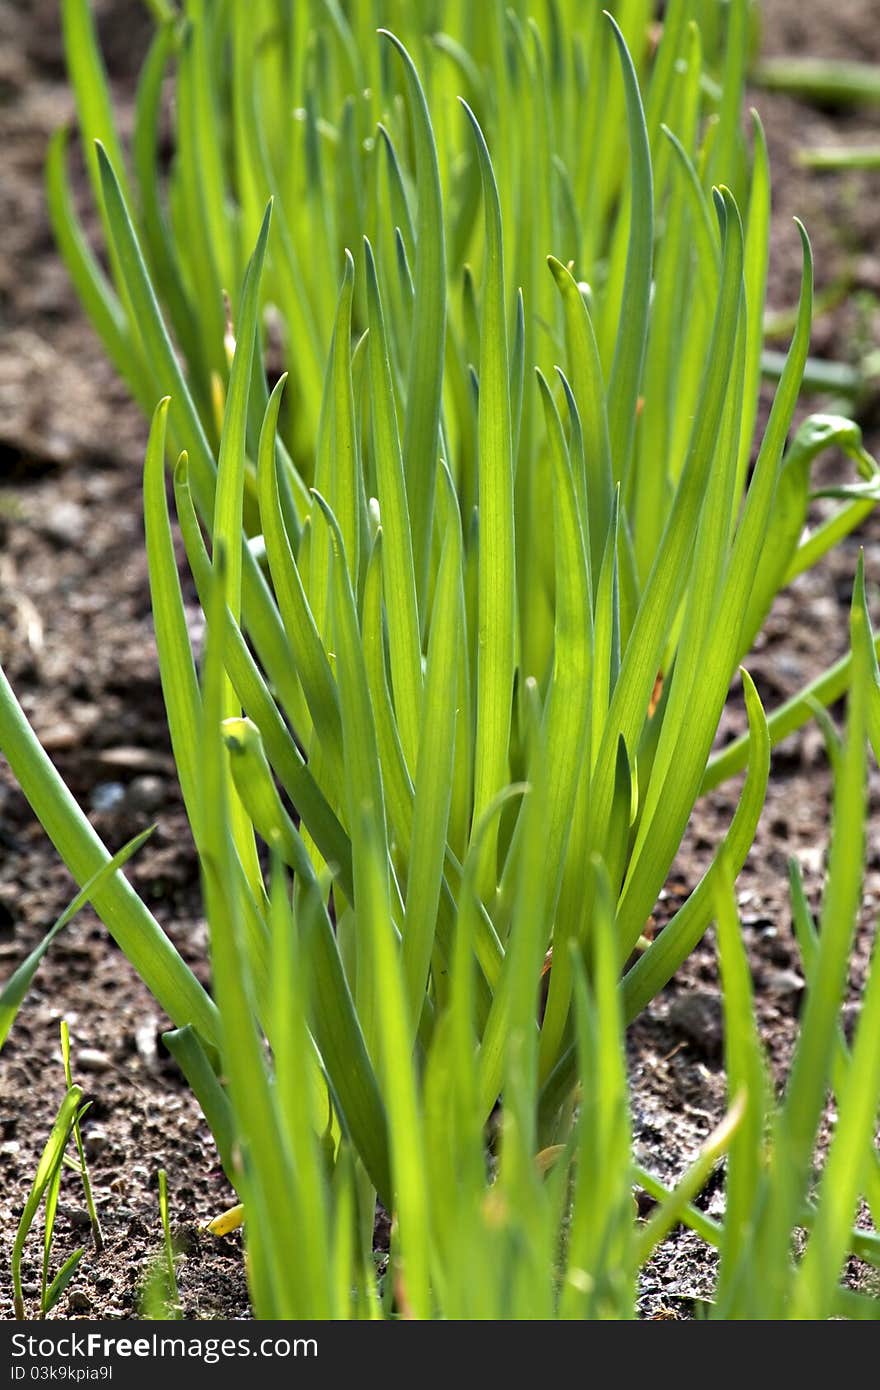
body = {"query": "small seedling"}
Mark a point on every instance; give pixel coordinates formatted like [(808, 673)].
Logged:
[(46, 1184), (55, 1158), (79, 1165), (160, 1296)]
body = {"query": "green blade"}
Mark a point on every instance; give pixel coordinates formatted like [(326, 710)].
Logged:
[(496, 579), (434, 770), (404, 643), (427, 345), (127, 919), (629, 352), (50, 1162)]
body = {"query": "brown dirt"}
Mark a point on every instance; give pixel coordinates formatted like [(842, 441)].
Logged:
[(76, 641)]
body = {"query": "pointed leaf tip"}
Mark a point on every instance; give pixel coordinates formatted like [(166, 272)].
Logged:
[(859, 585)]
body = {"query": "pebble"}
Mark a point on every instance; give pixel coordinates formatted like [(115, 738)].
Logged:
[(106, 796), (77, 1216), (134, 759), (787, 985), (78, 1302), (95, 1141), (811, 858), (698, 1017), (187, 1239), (145, 1042), (790, 665), (146, 793), (92, 1059), (64, 522), (60, 737)]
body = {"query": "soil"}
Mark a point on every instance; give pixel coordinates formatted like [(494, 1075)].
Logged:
[(76, 641)]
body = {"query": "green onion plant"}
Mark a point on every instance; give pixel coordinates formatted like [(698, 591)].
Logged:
[(581, 556), (511, 1230)]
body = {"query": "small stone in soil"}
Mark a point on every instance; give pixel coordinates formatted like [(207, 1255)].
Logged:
[(146, 1044), (92, 1059), (146, 794), (77, 1216), (60, 737), (106, 796), (95, 1142), (787, 985), (135, 759), (64, 523), (697, 1016), (187, 1239)]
